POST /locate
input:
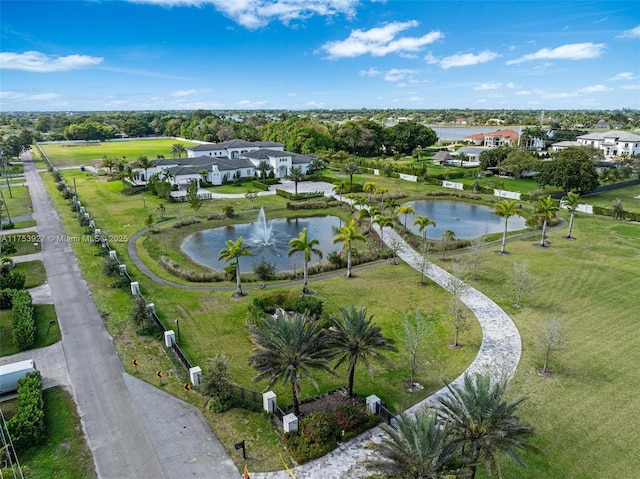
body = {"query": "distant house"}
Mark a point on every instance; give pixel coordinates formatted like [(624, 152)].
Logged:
[(612, 143), (222, 162), (494, 139), (443, 157), (473, 155), (602, 124)]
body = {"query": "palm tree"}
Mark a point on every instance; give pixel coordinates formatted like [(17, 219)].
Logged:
[(286, 348), (484, 424), (108, 162), (348, 234), (381, 192), (369, 186), (571, 202), (264, 167), (340, 188), (354, 337), (423, 222), (307, 246), (390, 204), (546, 209), (316, 165), (295, 175), (233, 251), (350, 169), (420, 448), (382, 222), (506, 209), (178, 149), (144, 163), (405, 210)]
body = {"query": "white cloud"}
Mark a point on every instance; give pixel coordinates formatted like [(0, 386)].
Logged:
[(571, 51), (523, 92), (633, 33), (41, 63), (488, 86), (16, 95), (182, 93), (397, 74), (467, 59), (251, 104), (593, 89), (631, 87), (622, 76), (293, 93), (45, 96), (380, 41), (253, 14), (581, 92), (511, 85), (371, 72)]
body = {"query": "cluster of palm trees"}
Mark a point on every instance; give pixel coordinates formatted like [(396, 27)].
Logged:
[(544, 210), (288, 348), (473, 426)]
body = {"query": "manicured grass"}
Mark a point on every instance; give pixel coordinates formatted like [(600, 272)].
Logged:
[(34, 271), (90, 153), (64, 454), (25, 243), (18, 201), (591, 400), (628, 195), (45, 335)]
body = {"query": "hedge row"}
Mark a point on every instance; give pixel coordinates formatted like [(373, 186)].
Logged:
[(300, 196), (24, 321), (27, 427), (621, 215), (260, 185)]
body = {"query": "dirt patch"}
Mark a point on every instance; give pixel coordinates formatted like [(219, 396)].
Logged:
[(327, 402)]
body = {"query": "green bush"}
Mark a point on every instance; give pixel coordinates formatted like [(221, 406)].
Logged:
[(24, 322), (12, 280), (317, 436), (300, 196), (27, 427)]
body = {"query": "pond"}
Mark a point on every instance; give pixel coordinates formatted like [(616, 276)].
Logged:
[(466, 220), (268, 240)]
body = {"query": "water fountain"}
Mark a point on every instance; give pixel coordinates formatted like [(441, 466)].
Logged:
[(262, 234)]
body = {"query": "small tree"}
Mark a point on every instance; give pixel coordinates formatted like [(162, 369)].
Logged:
[(192, 195), (476, 254), (414, 337), (457, 287), (111, 267), (264, 270), (521, 282), (571, 202), (141, 315), (446, 239), (551, 338), (251, 196), (162, 209), (618, 208), (217, 384)]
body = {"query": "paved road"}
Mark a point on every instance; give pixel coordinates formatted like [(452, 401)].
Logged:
[(119, 413)]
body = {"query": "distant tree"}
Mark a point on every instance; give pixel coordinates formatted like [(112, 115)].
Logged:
[(264, 167), (144, 163), (295, 175), (371, 187), (162, 209), (506, 209), (518, 161), (414, 336), (406, 136), (406, 210), (422, 222), (192, 196), (550, 339), (383, 221), (545, 209), (251, 196), (351, 169), (521, 282), (457, 287), (348, 234), (177, 150), (446, 239), (233, 251), (618, 208), (571, 202), (570, 169), (494, 156), (306, 246)]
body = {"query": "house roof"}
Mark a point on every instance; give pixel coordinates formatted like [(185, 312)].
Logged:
[(182, 171), (442, 156), (165, 161), (566, 144), (471, 150), (511, 134), (234, 144), (611, 134), (265, 153)]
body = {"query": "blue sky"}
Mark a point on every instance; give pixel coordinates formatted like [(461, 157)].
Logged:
[(308, 54)]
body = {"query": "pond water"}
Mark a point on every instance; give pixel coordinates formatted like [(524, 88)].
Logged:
[(268, 240), (466, 220)]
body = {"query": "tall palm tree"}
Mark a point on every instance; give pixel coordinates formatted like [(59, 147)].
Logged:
[(233, 251), (420, 448), (353, 337), (288, 348), (484, 424), (390, 204), (382, 222), (506, 209), (302, 244), (381, 192), (145, 163), (422, 222), (546, 209), (371, 187), (178, 149), (351, 169), (405, 210), (264, 167), (348, 234), (295, 175), (571, 202)]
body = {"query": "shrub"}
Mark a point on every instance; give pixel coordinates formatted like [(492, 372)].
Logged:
[(27, 427), (12, 280), (264, 270), (24, 323), (316, 437), (217, 385)]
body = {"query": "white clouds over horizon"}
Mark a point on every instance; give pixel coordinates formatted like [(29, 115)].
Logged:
[(623, 76), (38, 62), (633, 33), (254, 14), (183, 93), (461, 59), (380, 41), (572, 51)]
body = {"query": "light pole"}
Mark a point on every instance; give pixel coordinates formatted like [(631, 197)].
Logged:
[(178, 328)]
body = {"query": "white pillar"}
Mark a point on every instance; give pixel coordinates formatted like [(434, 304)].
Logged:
[(195, 374), (372, 402), (135, 288), (290, 422), (169, 338), (269, 401)]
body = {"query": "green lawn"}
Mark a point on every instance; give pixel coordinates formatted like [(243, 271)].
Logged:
[(90, 153), (64, 454), (589, 403), (34, 271), (628, 196), (46, 335), (18, 201)]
